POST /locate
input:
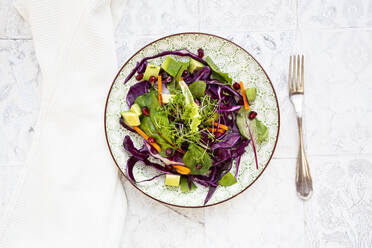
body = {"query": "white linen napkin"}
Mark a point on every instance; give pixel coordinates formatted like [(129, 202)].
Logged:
[(69, 194)]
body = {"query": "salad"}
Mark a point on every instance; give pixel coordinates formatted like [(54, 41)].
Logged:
[(194, 120)]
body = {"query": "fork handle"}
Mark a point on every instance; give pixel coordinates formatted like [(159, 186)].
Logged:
[(304, 183)]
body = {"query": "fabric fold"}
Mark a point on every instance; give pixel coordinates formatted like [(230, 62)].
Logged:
[(70, 194)]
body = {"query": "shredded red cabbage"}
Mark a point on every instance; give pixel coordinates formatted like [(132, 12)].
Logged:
[(137, 90), (182, 53)]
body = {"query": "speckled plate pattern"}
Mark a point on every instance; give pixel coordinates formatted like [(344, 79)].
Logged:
[(230, 58)]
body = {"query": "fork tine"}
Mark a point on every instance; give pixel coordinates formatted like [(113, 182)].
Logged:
[(290, 75), (294, 73), (302, 73), (298, 73)]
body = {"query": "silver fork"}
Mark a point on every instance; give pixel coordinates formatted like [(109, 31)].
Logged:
[(304, 183)]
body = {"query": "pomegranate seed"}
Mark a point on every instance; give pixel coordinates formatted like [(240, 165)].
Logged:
[(198, 166), (252, 115), (236, 86), (240, 102), (145, 111), (168, 80), (139, 76), (151, 140), (168, 167), (152, 79), (168, 151), (197, 102), (200, 53), (218, 135), (185, 73)]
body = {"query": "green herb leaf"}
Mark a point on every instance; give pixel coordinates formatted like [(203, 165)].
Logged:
[(197, 88), (259, 131), (251, 94), (227, 180), (197, 155), (148, 127), (217, 74), (184, 185)]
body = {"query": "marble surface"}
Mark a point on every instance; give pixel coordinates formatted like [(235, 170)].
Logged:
[(335, 37)]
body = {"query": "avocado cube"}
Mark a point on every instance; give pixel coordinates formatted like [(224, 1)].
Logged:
[(136, 109), (172, 180), (151, 70), (131, 118), (171, 66), (195, 65)]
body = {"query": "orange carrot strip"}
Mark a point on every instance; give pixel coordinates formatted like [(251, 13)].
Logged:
[(156, 146), (222, 126), (215, 130), (246, 105), (181, 169), (140, 132), (146, 137), (160, 86), (181, 78)]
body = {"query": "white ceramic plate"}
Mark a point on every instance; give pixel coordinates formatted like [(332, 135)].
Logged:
[(230, 58)]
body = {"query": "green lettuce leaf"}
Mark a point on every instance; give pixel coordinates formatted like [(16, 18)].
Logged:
[(227, 180), (217, 74), (259, 131), (197, 155), (184, 185), (191, 108)]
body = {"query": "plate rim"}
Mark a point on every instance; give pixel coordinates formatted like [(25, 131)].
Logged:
[(201, 206)]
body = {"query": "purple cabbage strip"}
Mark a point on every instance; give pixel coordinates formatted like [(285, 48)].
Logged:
[(182, 53), (202, 74), (221, 155), (122, 123), (138, 155), (254, 147), (200, 181), (142, 68), (189, 182), (130, 165), (211, 191), (150, 179), (137, 90), (230, 109), (240, 149), (228, 142), (225, 87), (237, 167), (129, 146)]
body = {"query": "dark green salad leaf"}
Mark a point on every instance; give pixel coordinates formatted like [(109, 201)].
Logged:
[(184, 185), (148, 127), (259, 131), (198, 89), (194, 156), (227, 180), (217, 74)]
